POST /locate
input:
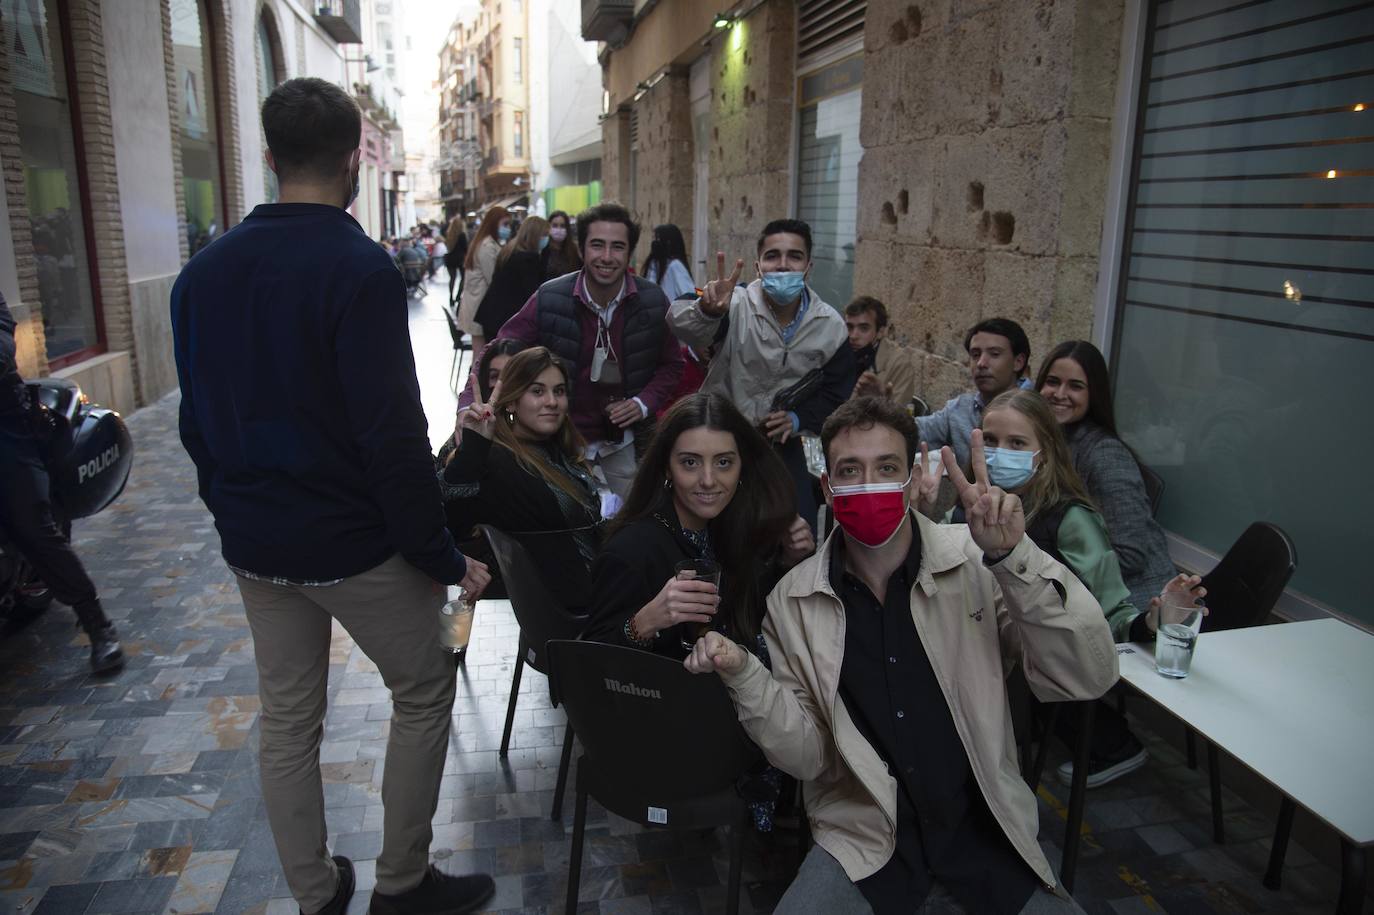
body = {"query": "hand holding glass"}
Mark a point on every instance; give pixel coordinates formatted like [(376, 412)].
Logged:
[(700, 570), (1180, 621)]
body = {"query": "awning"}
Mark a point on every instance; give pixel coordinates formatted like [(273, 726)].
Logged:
[(506, 202)]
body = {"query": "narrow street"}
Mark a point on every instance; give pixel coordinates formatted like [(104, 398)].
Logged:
[(139, 793)]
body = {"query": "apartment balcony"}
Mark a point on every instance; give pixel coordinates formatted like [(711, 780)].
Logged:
[(606, 20), (341, 19)]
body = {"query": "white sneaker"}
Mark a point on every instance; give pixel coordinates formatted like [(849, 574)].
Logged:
[(1100, 772)]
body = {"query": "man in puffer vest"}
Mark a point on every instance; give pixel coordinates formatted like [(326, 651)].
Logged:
[(611, 330)]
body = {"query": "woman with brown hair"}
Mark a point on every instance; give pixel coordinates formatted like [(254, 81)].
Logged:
[(521, 470), (561, 256), (479, 267), (709, 487), (519, 272)]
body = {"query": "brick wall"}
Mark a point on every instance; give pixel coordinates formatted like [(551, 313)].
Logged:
[(986, 134), (169, 64), (93, 94), (33, 358), (226, 109)]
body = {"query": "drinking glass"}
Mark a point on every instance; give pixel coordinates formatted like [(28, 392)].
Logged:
[(455, 623), (1180, 621), (701, 570)]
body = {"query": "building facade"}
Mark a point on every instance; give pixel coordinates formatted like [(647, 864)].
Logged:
[(130, 139), (1186, 185)]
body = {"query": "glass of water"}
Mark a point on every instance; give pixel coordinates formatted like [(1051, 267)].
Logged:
[(1180, 621), (455, 623)]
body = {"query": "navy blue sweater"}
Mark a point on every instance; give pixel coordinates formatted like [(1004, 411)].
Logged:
[(299, 403)]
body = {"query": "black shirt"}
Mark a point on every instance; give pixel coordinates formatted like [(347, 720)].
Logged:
[(945, 830)]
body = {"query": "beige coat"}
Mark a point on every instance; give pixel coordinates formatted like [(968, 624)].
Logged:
[(475, 284), (975, 623), (896, 365), (752, 363)]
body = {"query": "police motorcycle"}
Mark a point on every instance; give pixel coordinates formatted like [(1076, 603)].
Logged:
[(88, 453)]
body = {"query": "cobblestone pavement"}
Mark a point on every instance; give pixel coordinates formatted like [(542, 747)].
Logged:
[(139, 793)]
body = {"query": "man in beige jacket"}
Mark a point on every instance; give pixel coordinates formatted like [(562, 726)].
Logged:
[(887, 699)]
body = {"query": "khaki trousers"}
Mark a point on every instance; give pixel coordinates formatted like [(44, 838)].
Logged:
[(391, 612)]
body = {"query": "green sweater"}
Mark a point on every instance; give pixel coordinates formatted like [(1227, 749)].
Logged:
[(1088, 553)]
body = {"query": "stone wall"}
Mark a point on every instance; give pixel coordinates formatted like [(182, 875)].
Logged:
[(986, 133), (615, 156), (665, 172), (752, 105)]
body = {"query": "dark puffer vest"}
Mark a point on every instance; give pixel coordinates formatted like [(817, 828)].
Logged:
[(641, 317)]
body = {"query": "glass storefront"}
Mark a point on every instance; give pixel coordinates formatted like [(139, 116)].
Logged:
[(52, 178), (267, 81), (200, 162), (1244, 347), (828, 173)]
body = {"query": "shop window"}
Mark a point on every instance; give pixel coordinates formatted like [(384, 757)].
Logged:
[(38, 41), (202, 172), (1245, 314), (828, 156)]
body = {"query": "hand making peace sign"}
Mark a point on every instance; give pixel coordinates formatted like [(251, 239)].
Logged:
[(480, 417), (996, 520), (715, 297)]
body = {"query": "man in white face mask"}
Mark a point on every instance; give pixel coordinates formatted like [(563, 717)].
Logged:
[(887, 695), (782, 354)]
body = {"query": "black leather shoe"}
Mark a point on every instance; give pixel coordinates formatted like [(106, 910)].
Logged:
[(339, 904), (438, 894), (106, 655)]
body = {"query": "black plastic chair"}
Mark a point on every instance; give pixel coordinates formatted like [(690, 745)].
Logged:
[(542, 617), (461, 342), (661, 747), (1241, 592), (1154, 487)]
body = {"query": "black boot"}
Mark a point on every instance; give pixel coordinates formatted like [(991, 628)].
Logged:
[(106, 655)]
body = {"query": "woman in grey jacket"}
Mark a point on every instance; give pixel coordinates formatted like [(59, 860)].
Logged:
[(1074, 380)]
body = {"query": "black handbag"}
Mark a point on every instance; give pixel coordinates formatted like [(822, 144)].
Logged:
[(789, 398)]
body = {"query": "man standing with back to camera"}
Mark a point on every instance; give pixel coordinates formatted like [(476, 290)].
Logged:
[(301, 410)]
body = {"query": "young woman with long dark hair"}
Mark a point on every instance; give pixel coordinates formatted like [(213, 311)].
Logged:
[(519, 272), (709, 487), (667, 263), (561, 256), (521, 465), (1027, 455), (1074, 381)]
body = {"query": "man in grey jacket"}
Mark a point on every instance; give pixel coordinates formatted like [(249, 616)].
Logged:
[(770, 335)]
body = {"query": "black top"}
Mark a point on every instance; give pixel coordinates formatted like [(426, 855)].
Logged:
[(299, 403), (945, 830), (515, 281), (490, 487)]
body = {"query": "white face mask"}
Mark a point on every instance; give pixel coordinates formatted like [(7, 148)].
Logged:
[(558, 234)]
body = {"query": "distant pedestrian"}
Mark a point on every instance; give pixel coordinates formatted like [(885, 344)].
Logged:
[(667, 263), (561, 256), (479, 268), (456, 240), (301, 411), (519, 273)]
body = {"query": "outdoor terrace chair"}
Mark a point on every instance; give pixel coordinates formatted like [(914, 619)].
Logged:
[(661, 747), (542, 617)]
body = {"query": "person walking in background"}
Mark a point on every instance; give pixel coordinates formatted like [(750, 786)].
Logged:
[(479, 268), (301, 411), (666, 264), (456, 240), (885, 369), (519, 272), (561, 256)]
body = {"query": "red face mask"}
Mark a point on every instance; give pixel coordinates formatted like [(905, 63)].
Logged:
[(871, 513)]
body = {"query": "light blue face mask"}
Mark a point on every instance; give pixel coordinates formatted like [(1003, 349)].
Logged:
[(1009, 469), (543, 243), (784, 287), (503, 233)]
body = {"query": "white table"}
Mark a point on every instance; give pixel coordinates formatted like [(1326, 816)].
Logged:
[(1295, 703)]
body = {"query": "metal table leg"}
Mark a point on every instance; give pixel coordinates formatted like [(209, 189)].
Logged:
[(1273, 877), (1352, 879), (1073, 827)]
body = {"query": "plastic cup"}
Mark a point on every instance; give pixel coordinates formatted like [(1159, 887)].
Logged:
[(455, 624)]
